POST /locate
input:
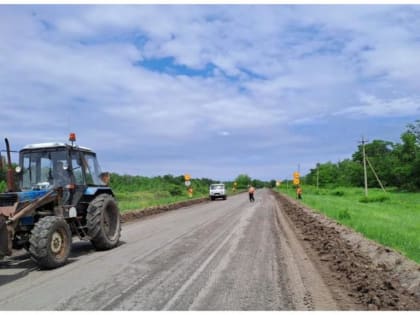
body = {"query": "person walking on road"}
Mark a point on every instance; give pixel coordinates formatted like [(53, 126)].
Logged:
[(299, 192), (251, 192)]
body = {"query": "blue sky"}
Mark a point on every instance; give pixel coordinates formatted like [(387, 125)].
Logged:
[(212, 90)]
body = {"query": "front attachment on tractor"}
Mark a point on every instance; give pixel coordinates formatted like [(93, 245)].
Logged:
[(4, 239)]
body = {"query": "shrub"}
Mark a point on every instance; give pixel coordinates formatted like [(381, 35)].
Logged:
[(379, 198), (320, 191), (176, 190), (338, 193), (162, 194), (344, 215)]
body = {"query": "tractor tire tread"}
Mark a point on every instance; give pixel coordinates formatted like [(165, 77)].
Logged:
[(38, 242), (98, 236)]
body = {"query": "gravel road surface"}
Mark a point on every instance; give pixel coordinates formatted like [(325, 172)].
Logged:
[(220, 255)]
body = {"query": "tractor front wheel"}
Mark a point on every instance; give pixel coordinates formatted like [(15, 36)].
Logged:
[(104, 222), (50, 242)]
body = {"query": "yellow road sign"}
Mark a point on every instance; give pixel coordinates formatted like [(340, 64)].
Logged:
[(296, 181), (187, 177)]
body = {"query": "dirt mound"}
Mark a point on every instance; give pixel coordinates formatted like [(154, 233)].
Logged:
[(137, 214), (375, 276)]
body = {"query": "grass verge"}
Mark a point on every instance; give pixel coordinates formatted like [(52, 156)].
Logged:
[(128, 201), (392, 218)]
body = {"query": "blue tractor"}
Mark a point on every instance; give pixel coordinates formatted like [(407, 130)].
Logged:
[(61, 194)]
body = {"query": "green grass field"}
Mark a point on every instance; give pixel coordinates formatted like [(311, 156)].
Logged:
[(142, 199), (392, 218)]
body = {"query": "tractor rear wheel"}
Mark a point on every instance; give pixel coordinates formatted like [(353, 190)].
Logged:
[(50, 242), (103, 222)]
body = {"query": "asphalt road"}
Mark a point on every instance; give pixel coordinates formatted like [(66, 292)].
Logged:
[(220, 255)]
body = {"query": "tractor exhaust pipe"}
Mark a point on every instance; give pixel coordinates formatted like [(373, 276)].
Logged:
[(10, 173)]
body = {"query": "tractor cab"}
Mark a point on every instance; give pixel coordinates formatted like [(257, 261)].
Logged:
[(55, 165), (65, 168)]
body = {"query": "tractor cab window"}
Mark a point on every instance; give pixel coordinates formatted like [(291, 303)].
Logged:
[(77, 165), (93, 171), (61, 176), (44, 170)]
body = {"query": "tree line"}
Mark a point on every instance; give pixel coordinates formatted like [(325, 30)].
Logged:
[(174, 185), (396, 164)]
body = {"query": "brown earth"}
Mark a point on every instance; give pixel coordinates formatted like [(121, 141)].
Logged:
[(137, 214), (375, 277)]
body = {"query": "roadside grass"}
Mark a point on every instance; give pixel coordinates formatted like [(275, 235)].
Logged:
[(392, 218), (129, 200), (143, 199)]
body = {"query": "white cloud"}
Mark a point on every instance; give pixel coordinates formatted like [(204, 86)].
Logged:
[(276, 68), (373, 106)]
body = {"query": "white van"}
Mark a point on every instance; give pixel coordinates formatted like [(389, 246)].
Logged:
[(217, 191)]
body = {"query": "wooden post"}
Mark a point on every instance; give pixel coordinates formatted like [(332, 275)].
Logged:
[(317, 176), (364, 165)]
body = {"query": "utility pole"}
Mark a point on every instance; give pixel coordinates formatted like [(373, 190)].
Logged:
[(364, 163), (317, 176)]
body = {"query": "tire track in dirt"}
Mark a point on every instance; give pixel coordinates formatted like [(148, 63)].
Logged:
[(305, 284)]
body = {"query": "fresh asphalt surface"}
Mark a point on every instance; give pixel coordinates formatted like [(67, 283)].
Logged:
[(220, 255)]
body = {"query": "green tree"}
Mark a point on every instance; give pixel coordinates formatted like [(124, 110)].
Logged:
[(408, 154), (327, 175), (242, 180), (381, 157), (396, 165), (350, 173), (258, 183), (414, 128)]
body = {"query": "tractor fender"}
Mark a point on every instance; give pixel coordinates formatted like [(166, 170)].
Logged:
[(31, 195), (94, 191)]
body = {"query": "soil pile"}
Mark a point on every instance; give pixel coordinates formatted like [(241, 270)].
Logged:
[(375, 276)]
